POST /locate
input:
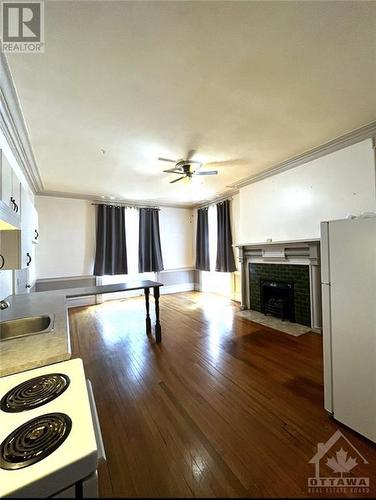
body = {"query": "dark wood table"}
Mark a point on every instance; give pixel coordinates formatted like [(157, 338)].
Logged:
[(127, 287)]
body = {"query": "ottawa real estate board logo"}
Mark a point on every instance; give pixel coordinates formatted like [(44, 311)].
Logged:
[(22, 27), (335, 463)]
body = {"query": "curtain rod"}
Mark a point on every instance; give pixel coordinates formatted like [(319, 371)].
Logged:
[(125, 205), (215, 202)]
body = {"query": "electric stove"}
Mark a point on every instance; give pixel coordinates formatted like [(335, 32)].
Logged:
[(49, 433)]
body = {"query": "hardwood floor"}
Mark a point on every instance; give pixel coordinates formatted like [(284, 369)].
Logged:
[(221, 408)]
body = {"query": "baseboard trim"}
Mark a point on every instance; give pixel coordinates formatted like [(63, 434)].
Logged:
[(183, 287), (66, 278), (317, 330)]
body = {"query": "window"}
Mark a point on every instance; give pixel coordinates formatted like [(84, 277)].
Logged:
[(131, 231), (212, 281)]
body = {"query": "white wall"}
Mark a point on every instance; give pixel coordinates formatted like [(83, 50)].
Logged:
[(176, 228), (67, 237), (235, 225), (292, 204)]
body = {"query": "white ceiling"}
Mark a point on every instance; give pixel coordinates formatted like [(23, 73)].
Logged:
[(248, 84)]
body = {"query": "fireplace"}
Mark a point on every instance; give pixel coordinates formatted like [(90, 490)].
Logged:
[(295, 262), (277, 299), (281, 290)]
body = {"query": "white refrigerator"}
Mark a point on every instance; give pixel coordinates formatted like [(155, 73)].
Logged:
[(348, 277)]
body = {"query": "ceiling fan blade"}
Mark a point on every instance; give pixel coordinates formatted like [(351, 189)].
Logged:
[(173, 171), (208, 172), (176, 180), (190, 154), (167, 159)]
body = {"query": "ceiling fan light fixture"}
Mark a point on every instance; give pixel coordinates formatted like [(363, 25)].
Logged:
[(187, 168)]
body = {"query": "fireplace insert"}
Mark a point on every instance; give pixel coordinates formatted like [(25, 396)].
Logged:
[(277, 299)]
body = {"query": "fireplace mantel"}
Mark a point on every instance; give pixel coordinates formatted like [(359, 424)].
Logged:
[(284, 242), (306, 252)]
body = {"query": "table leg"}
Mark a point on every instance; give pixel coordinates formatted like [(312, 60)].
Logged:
[(158, 332), (148, 320)]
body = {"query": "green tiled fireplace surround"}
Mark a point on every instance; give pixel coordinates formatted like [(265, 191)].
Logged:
[(287, 273)]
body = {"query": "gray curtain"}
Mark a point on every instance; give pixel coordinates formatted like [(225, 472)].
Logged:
[(202, 240), (225, 253), (111, 247), (149, 243)]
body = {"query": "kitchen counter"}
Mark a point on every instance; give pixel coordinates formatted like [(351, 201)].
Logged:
[(25, 353), (33, 351)]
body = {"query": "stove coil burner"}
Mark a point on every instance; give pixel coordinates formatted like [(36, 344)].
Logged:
[(34, 440), (34, 393)]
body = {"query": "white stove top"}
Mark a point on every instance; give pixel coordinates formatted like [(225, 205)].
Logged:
[(75, 458)]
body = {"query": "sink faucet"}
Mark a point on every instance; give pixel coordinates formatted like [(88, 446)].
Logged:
[(4, 305)]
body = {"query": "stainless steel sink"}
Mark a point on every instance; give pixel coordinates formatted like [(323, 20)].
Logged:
[(23, 327)]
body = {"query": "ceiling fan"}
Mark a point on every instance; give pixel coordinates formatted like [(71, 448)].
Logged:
[(184, 167)]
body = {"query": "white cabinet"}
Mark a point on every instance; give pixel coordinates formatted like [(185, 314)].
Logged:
[(16, 246), (16, 249), (10, 186), (12, 250), (22, 281), (10, 195), (27, 225), (18, 228), (16, 193), (34, 225), (6, 183)]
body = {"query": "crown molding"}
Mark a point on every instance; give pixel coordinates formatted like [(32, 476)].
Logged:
[(12, 124), (112, 201), (353, 137), (138, 203), (217, 198)]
